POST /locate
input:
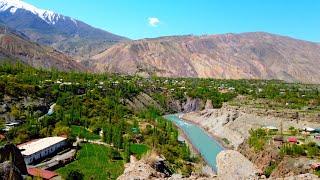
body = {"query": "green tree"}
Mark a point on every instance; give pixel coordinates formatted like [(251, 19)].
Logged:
[(61, 130)]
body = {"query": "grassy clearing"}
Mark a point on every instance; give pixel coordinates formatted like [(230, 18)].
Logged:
[(82, 132), (94, 162), (138, 149)]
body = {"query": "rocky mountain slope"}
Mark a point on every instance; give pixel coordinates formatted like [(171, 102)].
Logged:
[(61, 32), (14, 46), (230, 56)]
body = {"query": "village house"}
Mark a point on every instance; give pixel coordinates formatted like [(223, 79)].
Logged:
[(292, 140), (270, 128), (278, 141), (181, 139), (11, 125), (36, 150)]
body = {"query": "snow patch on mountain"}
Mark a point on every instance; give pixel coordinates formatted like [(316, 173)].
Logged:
[(48, 16)]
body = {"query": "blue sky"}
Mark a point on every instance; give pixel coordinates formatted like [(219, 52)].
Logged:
[(138, 19)]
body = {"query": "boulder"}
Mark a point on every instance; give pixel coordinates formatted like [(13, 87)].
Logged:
[(208, 104), (233, 165), (12, 162)]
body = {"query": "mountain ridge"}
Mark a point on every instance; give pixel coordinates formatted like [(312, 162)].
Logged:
[(256, 55), (63, 33), (15, 47)]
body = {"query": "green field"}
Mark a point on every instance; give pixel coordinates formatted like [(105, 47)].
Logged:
[(94, 162), (82, 132), (138, 149)]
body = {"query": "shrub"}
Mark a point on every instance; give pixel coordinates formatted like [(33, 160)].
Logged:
[(292, 149), (75, 175), (269, 169), (257, 139), (312, 149), (293, 131)]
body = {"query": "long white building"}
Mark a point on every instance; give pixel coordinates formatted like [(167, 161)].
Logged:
[(41, 148)]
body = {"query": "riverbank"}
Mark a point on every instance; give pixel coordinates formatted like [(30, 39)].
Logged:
[(204, 144), (231, 125), (206, 169), (219, 139)]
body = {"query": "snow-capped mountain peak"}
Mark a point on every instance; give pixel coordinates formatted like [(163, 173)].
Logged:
[(13, 5)]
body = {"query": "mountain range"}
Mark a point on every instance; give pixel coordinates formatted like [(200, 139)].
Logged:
[(227, 56), (63, 33), (42, 38)]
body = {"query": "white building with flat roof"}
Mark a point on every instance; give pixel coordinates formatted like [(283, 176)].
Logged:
[(41, 148)]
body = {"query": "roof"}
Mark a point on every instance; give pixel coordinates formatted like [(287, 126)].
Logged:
[(278, 138), (292, 139), (34, 146), (309, 129), (181, 139), (270, 127), (45, 174)]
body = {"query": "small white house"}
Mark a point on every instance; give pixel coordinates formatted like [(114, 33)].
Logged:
[(41, 148), (11, 125), (309, 129), (270, 128)]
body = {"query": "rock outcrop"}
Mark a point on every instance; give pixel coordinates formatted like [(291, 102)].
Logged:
[(193, 105), (12, 162), (261, 159), (233, 165), (139, 170), (145, 169), (293, 167), (9, 171), (141, 102), (208, 104)]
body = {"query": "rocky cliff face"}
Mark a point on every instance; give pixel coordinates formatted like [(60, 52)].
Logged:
[(230, 56), (143, 101)]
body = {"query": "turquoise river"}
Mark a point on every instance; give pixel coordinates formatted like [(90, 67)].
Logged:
[(208, 147)]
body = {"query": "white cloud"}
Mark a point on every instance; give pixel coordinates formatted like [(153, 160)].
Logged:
[(153, 21)]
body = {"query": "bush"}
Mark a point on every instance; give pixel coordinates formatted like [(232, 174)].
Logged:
[(312, 149), (75, 175), (292, 149), (257, 139), (293, 131), (269, 169)]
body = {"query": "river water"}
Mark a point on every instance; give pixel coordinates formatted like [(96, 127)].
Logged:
[(208, 147)]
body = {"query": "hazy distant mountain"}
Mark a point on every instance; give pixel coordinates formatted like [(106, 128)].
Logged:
[(14, 46), (231, 56), (61, 32)]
